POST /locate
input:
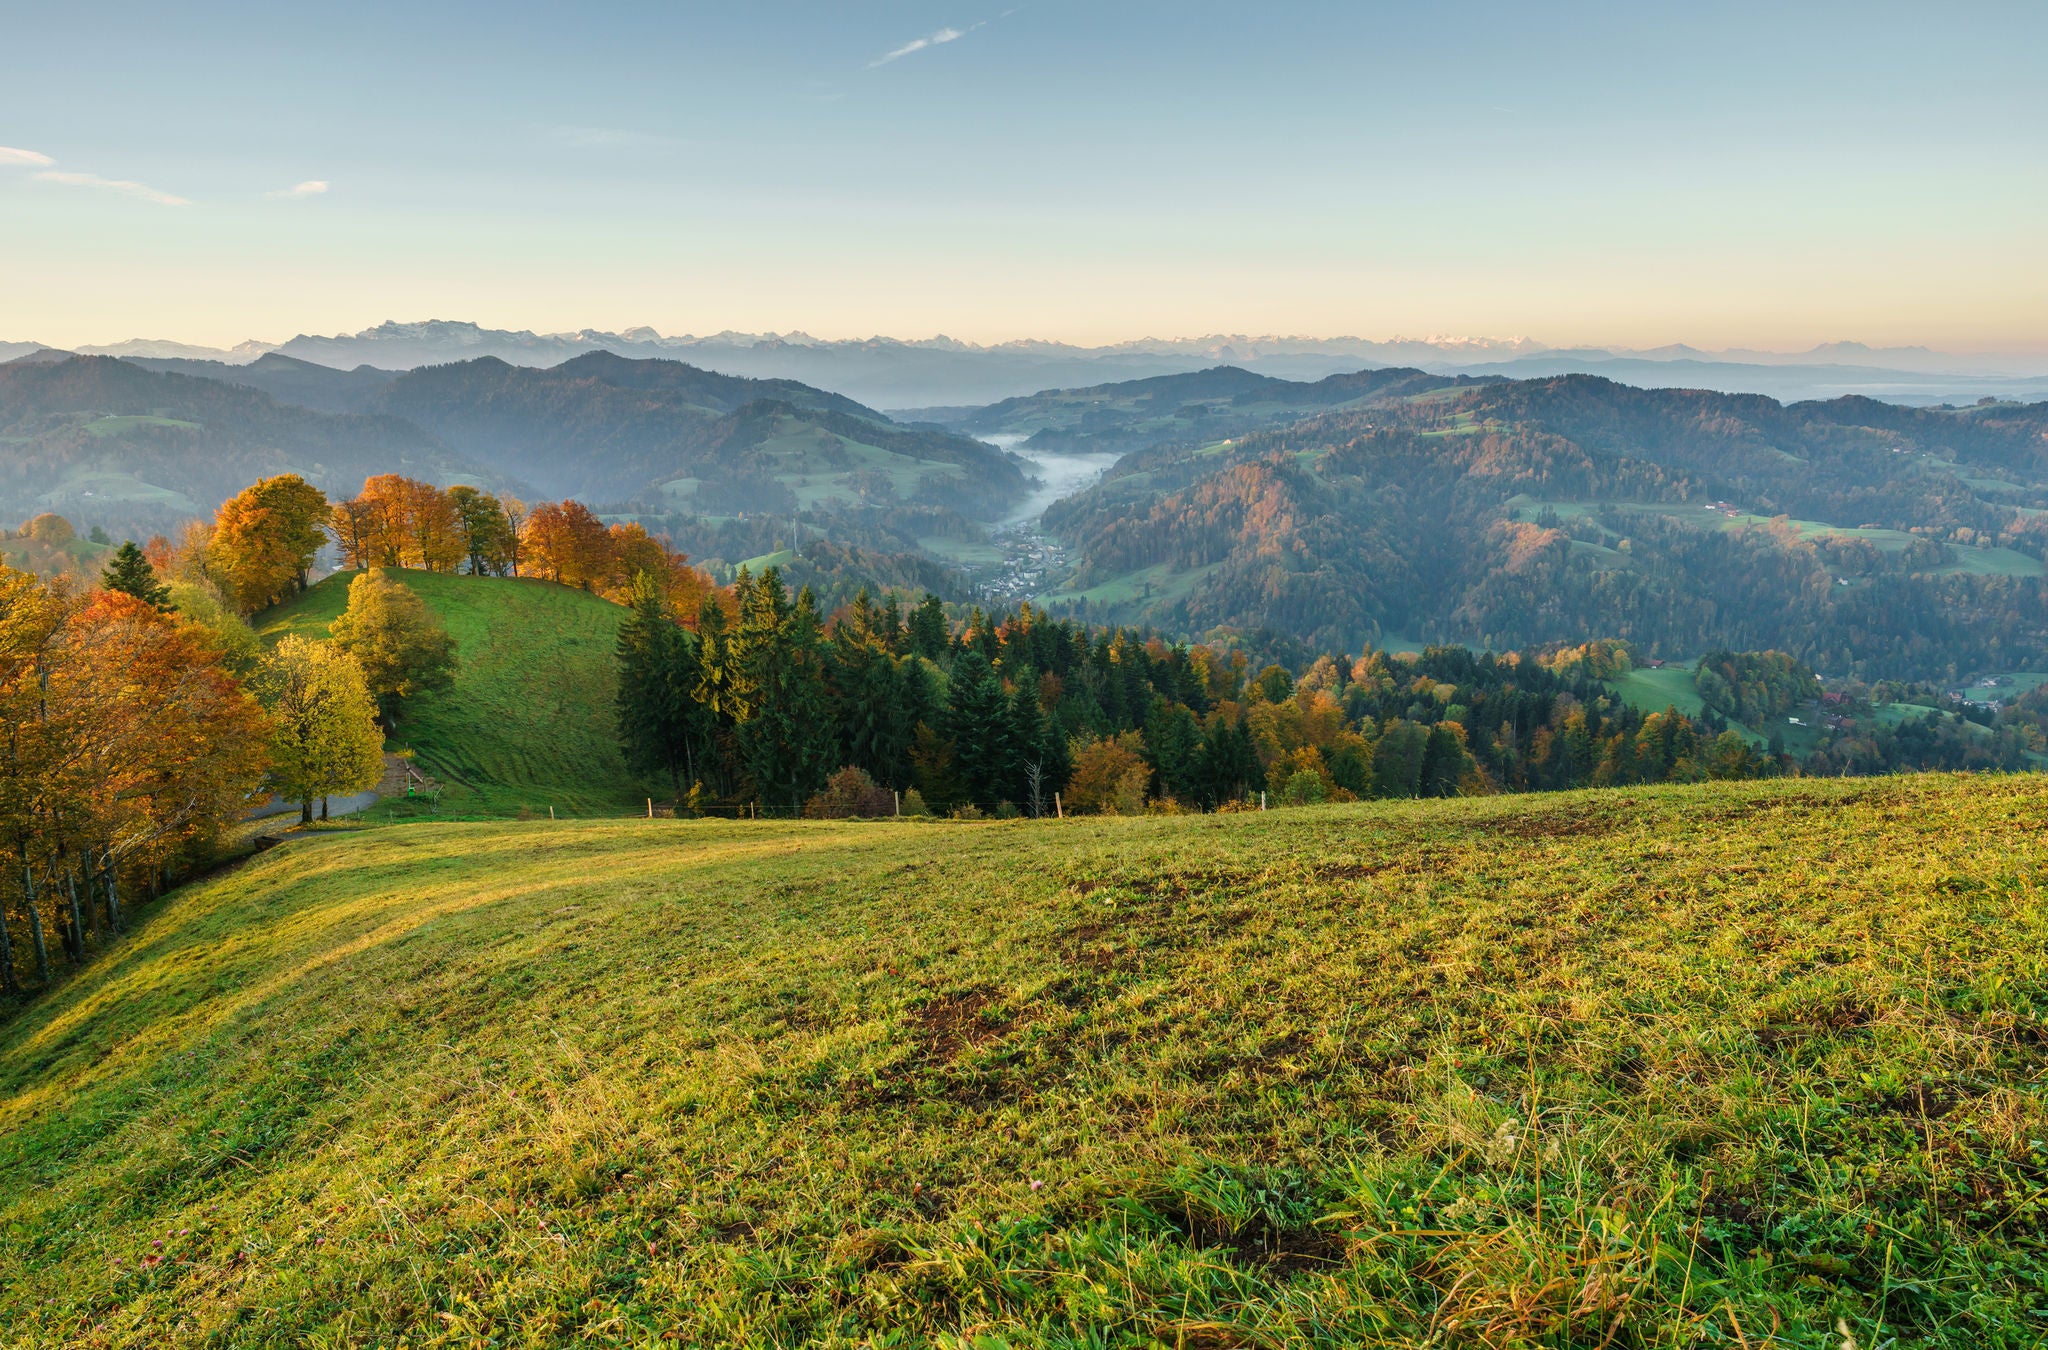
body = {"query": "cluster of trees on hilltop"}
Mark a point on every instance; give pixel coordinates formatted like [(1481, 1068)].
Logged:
[(760, 698), (261, 545)]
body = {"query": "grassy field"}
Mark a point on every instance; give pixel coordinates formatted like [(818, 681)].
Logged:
[(1725, 1066), (1666, 687), (528, 724), (1969, 559)]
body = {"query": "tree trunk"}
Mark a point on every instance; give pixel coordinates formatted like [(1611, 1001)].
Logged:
[(323, 808), (113, 897), (74, 931), (8, 984), (77, 920), (305, 811), (35, 928)]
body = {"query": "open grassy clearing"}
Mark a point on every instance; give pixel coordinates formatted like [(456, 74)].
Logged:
[(1969, 558), (1670, 686), (529, 723), (1688, 1066), (1157, 584), (115, 426)]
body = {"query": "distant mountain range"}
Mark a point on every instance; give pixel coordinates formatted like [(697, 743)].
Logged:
[(942, 372)]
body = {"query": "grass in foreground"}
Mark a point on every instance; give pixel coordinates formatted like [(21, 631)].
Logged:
[(532, 702), (1719, 1066)]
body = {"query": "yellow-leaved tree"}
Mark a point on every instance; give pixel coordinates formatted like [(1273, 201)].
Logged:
[(324, 738), (400, 644)]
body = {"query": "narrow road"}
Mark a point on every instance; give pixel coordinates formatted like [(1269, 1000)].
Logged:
[(336, 806)]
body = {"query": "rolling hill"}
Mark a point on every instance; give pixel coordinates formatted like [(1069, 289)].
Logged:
[(1196, 408), (105, 442), (1861, 536), (1689, 1065), (609, 429), (529, 721), (657, 434)]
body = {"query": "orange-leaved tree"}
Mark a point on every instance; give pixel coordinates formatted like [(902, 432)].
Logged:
[(265, 538), (564, 541), (129, 746)]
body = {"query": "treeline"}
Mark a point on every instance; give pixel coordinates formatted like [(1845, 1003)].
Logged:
[(130, 743), (760, 698), (262, 543)]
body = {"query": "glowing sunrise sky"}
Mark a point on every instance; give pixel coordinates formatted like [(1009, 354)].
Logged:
[(1768, 175)]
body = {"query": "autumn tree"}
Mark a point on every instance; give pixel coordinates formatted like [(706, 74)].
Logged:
[(400, 522), (265, 538), (565, 542), (402, 647), (324, 737), (129, 746)]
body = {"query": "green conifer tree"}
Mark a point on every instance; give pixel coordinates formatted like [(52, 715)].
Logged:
[(131, 574)]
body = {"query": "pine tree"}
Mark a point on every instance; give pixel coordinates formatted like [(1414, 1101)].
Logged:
[(977, 720), (663, 729), (787, 739), (928, 636), (131, 574)]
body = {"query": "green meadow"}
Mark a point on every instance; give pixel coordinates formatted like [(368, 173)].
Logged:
[(1735, 1065), (529, 722)]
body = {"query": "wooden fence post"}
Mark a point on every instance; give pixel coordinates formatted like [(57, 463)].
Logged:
[(1059, 810)]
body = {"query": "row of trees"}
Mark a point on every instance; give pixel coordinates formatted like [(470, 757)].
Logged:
[(402, 522), (261, 546), (758, 697)]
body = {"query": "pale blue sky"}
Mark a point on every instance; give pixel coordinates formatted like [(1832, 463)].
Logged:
[(1720, 174)]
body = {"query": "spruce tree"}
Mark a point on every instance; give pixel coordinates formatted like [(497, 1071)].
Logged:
[(131, 574), (977, 718), (663, 729), (928, 636)]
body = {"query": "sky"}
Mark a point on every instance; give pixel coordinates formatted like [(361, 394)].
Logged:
[(1764, 175)]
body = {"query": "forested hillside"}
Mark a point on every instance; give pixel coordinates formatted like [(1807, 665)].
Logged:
[(614, 430), (1225, 401), (135, 450), (107, 443), (1854, 535)]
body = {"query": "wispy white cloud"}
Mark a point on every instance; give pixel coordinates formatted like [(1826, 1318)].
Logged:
[(11, 155), (122, 185), (938, 39), (312, 187)]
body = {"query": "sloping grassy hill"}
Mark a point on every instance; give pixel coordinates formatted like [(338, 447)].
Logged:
[(1687, 1066), (529, 722)]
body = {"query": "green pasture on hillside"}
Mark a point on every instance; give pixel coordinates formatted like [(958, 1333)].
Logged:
[(530, 721), (1736, 1065), (1971, 559)]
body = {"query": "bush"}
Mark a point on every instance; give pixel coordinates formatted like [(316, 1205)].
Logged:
[(850, 792), (913, 804)]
